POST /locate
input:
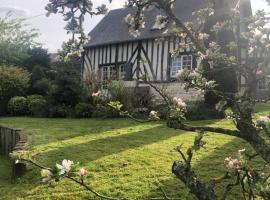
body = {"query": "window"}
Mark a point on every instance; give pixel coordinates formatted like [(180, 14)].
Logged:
[(110, 73), (262, 84), (179, 63)]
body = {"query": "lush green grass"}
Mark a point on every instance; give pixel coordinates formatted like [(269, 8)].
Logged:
[(124, 158)]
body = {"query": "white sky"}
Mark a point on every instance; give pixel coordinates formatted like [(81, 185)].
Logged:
[(51, 29)]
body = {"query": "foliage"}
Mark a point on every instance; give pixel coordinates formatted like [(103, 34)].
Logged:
[(37, 56), (43, 87), (119, 92), (13, 82), (102, 111), (37, 105), (91, 81), (83, 110), (74, 19), (67, 81), (15, 40), (37, 74), (59, 111), (17, 106), (198, 110)]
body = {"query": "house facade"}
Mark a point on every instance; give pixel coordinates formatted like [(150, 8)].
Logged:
[(116, 55)]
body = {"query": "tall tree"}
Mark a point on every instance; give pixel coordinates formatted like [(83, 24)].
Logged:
[(15, 40)]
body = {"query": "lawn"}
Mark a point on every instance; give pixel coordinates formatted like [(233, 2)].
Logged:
[(124, 158)]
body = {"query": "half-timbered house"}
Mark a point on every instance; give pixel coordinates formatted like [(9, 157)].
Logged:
[(118, 55)]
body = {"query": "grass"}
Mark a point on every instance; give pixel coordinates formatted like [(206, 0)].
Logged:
[(124, 158)]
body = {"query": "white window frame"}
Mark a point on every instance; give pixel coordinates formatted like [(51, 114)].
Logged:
[(120, 74), (179, 65)]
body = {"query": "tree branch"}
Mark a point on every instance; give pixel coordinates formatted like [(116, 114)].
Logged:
[(179, 125)]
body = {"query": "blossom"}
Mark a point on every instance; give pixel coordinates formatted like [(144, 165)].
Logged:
[(153, 115), (203, 36), (179, 73), (210, 84), (194, 75), (262, 120), (65, 167), (161, 22), (96, 94), (233, 163), (241, 151), (259, 72), (179, 102), (47, 174), (82, 172), (211, 12)]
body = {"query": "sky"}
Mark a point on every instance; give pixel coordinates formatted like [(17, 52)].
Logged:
[(51, 29)]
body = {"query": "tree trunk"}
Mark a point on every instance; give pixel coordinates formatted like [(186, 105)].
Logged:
[(249, 133), (203, 191)]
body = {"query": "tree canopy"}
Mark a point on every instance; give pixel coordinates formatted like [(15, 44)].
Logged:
[(15, 40)]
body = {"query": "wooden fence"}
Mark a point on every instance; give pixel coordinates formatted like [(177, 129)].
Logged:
[(13, 140)]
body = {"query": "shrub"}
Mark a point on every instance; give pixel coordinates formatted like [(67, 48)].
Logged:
[(60, 111), (198, 110), (13, 82), (83, 110), (42, 87), (17, 106), (105, 112), (67, 81), (118, 92), (37, 105)]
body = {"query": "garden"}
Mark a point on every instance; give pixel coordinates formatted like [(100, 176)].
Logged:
[(74, 139), (123, 157)]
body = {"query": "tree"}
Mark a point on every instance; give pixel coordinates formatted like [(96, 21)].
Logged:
[(37, 56), (15, 40), (206, 43), (67, 83), (13, 82)]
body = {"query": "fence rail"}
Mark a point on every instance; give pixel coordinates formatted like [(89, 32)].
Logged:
[(13, 140)]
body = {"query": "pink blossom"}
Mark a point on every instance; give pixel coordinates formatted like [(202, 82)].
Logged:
[(262, 120), (259, 72), (232, 163), (179, 102), (153, 115), (96, 94), (179, 73), (82, 172), (47, 174)]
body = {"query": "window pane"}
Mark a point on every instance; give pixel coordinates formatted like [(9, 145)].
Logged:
[(187, 62), (121, 72), (176, 66)]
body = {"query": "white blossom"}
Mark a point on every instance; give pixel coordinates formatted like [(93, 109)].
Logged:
[(65, 167)]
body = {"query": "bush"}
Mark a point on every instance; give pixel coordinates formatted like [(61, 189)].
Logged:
[(60, 111), (105, 112), (42, 87), (17, 106), (83, 110), (37, 105), (118, 92), (198, 110), (13, 82)]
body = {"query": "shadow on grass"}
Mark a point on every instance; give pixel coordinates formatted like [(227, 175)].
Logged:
[(96, 149), (209, 166), (44, 130)]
